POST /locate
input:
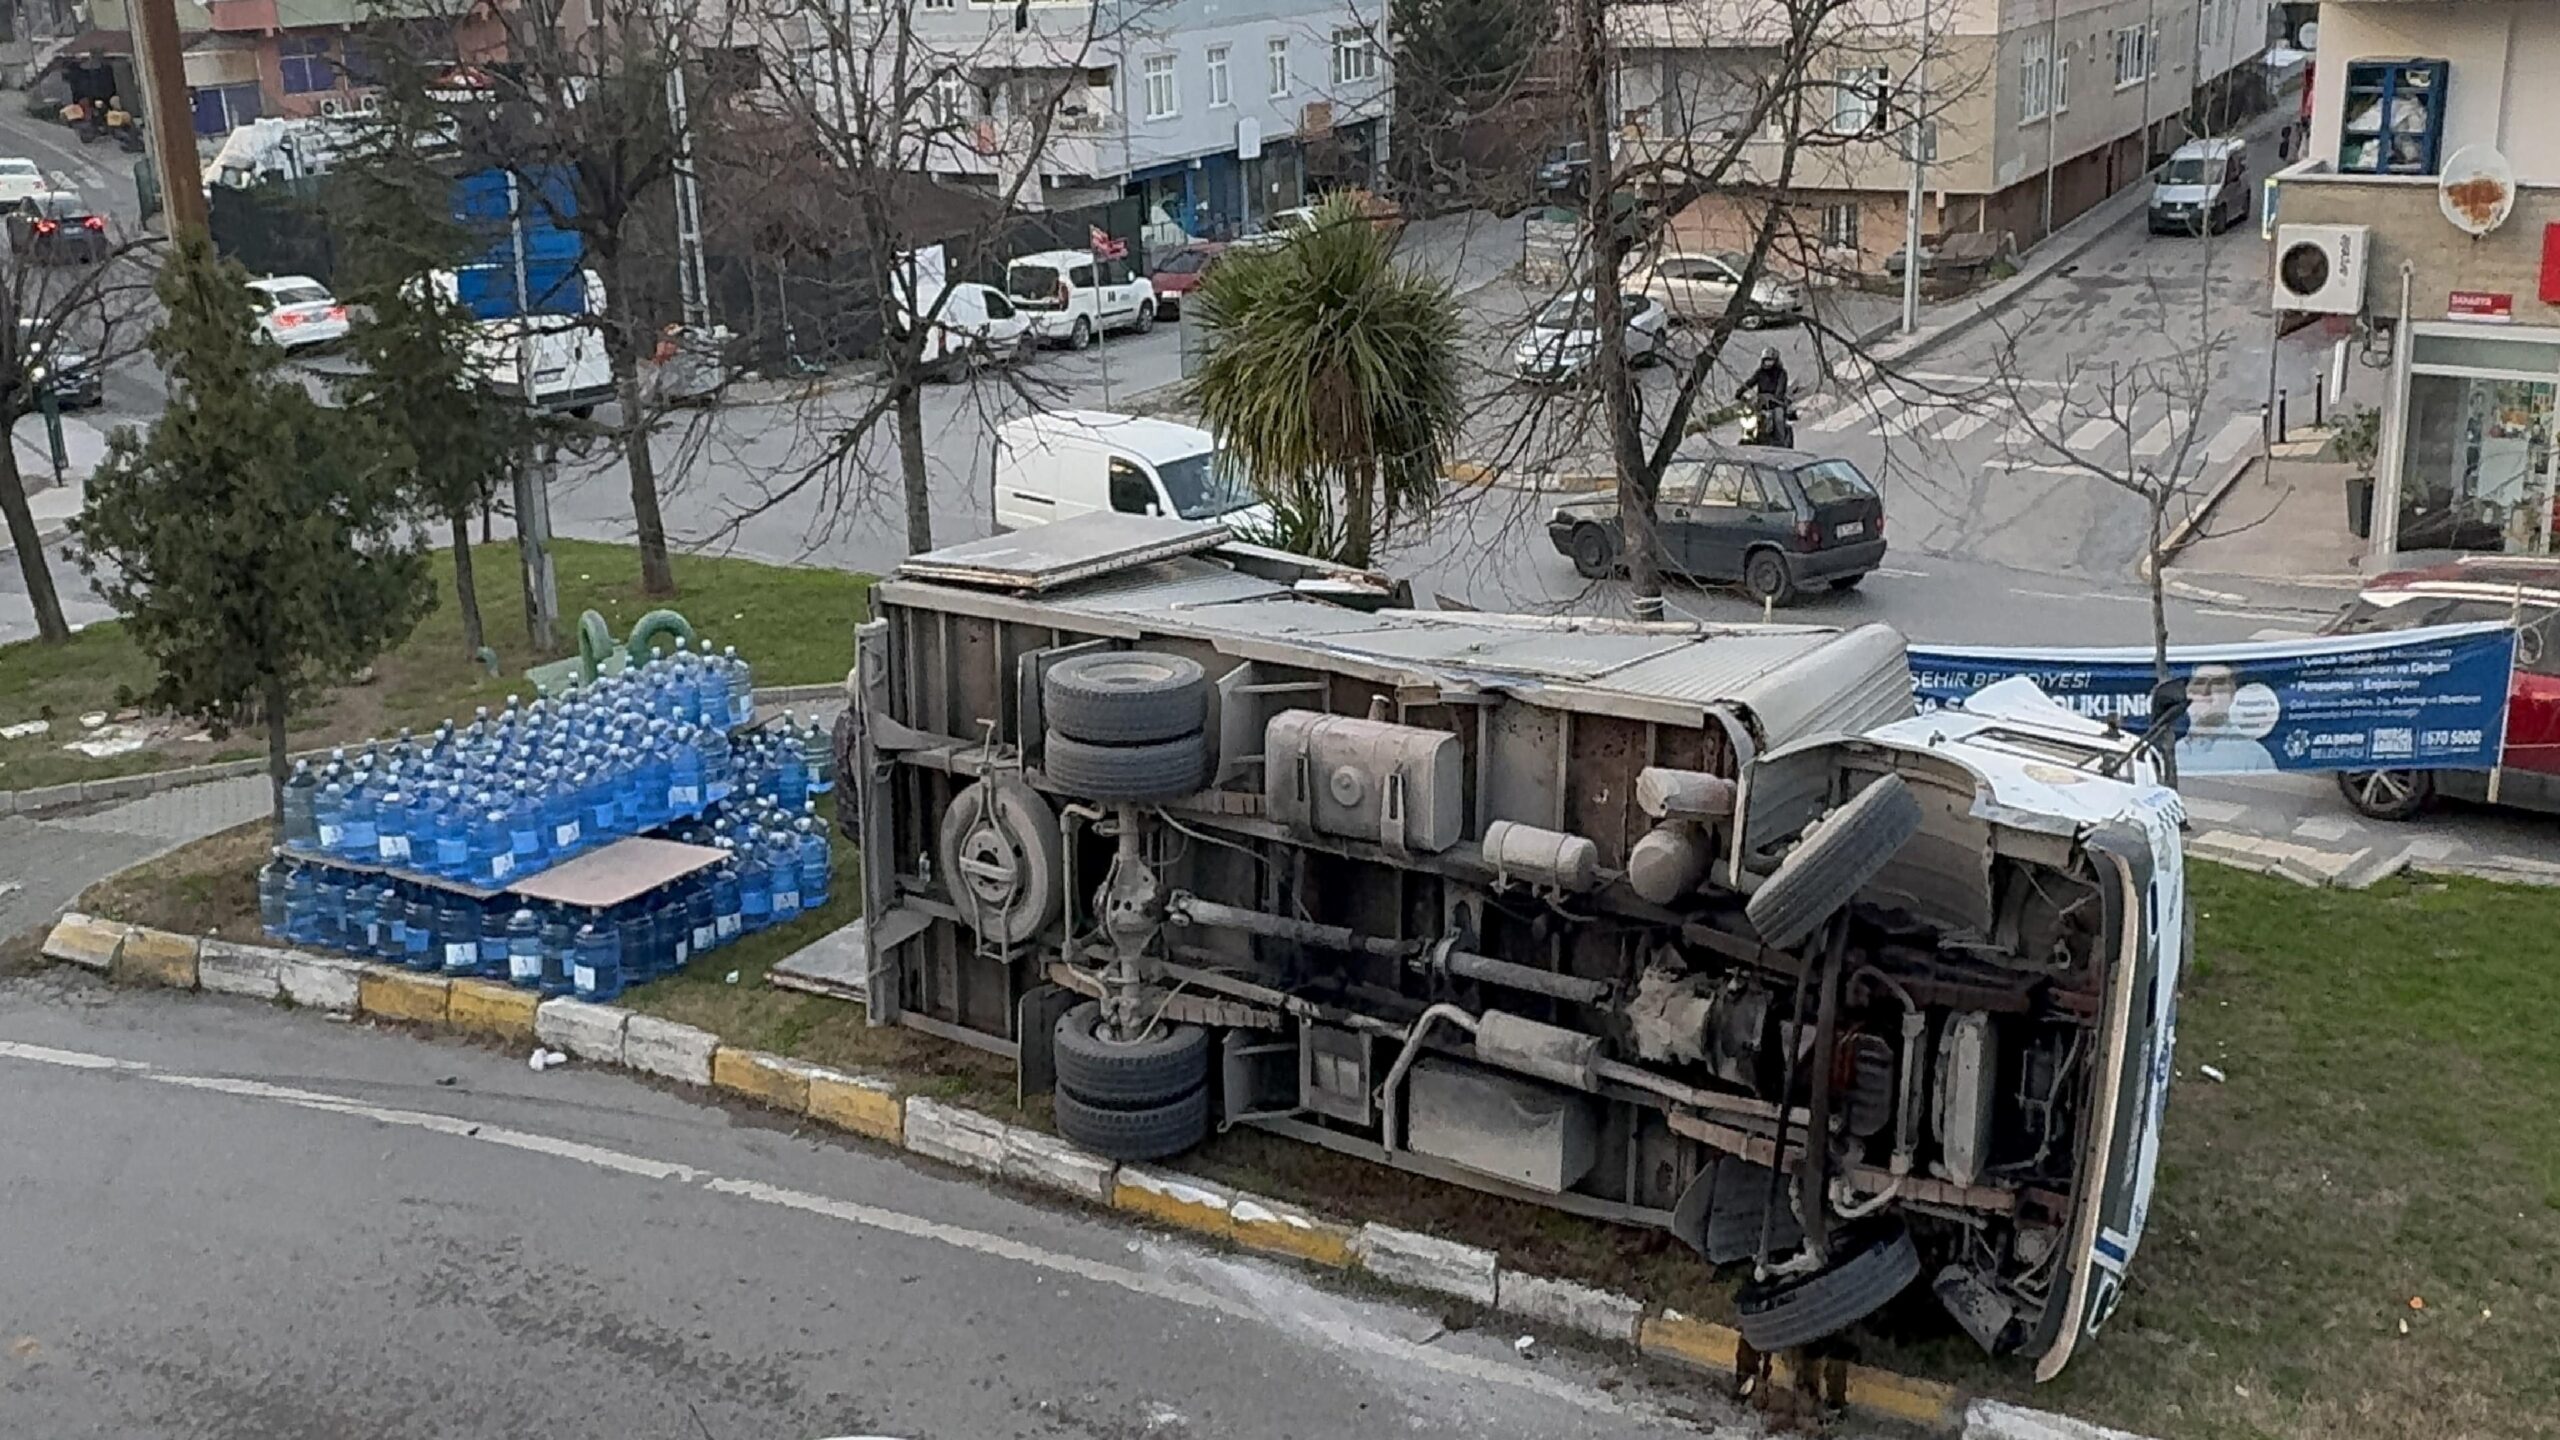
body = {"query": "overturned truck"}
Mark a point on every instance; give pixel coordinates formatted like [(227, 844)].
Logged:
[(1692, 927)]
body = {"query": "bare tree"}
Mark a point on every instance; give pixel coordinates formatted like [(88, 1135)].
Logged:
[(63, 326)]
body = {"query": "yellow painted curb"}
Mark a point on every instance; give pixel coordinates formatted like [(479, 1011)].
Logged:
[(1699, 1344), (399, 995), (1277, 1229), (767, 1079), (855, 1103), (1921, 1402), (1177, 1200), (487, 1008), (156, 957), (84, 941)]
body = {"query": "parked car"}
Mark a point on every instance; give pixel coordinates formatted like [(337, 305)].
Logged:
[(296, 312), (1057, 465), (1773, 521), (2499, 589), (20, 180), (73, 376), (1701, 287), (1562, 172), (1562, 341), (976, 327), (1070, 298), (56, 228), (2204, 188), (1281, 224), (1181, 272)]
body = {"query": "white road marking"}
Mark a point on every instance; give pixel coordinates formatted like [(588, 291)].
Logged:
[(2326, 829), (1892, 574), (2213, 812), (2083, 595), (1963, 425), (2237, 434), (2091, 435), (1850, 413), (868, 1217), (2031, 427), (1945, 381), (2155, 440)]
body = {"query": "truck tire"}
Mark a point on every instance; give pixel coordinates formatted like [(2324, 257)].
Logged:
[(1003, 860), (1163, 770), (1151, 1133), (1839, 854), (1877, 1266), (1125, 697), (1170, 1063), (1741, 1197)]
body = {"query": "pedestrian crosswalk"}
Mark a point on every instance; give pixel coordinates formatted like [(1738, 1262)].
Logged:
[(2048, 433)]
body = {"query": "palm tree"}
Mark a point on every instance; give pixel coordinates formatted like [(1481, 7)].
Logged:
[(1332, 377)]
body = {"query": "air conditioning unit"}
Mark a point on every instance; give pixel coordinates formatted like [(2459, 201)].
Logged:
[(2320, 268), (330, 107)]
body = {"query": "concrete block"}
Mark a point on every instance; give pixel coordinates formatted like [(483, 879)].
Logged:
[(85, 941), (589, 1032), (45, 797), (1998, 1420), (1277, 1229), (668, 1050), (1567, 1306), (8, 802), (1687, 1340), (320, 982), (121, 787), (485, 1007), (393, 994), (955, 1135), (1036, 1158), (766, 1079), (158, 957), (860, 1104), (1185, 1202), (1930, 1404), (1426, 1262), (228, 969)]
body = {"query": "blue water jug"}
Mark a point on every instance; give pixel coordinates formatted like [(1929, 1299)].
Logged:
[(493, 856), (701, 915), (489, 918), (791, 772), (276, 884), (355, 825), (427, 807), (391, 829), (595, 789), (742, 687), (728, 903), (335, 888), (458, 935), (782, 864), (524, 827), (420, 938), (755, 885), (816, 861), (560, 816), (821, 750), (524, 949), (559, 951), (301, 824), (638, 939), (362, 934), (451, 856), (598, 972)]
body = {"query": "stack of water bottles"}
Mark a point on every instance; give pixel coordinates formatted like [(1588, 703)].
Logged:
[(657, 749)]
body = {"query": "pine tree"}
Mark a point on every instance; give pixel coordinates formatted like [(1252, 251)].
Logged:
[(256, 542)]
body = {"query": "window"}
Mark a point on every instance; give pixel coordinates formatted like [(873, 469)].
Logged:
[(938, 4), (1219, 93), (1857, 100), (2062, 81), (1355, 57), (950, 97), (2035, 80), (1839, 227), (1163, 98), (305, 62), (1278, 57), (1829, 482), (1730, 484), (1131, 494), (2133, 56)]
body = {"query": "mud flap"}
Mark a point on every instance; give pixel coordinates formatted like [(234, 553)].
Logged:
[(1035, 1031)]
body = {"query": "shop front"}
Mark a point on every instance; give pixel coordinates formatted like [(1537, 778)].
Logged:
[(2467, 453)]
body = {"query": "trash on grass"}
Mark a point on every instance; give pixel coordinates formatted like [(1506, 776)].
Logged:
[(732, 978), (25, 729), (2213, 1073), (1525, 1344), (542, 1060)]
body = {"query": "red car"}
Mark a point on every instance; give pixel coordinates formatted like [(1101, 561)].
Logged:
[(2494, 588), (1179, 273)]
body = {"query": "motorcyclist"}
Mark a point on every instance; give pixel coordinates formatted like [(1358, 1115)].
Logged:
[(1767, 383), (1768, 392)]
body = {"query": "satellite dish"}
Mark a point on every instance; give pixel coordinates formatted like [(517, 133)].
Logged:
[(2477, 190), (2308, 37)]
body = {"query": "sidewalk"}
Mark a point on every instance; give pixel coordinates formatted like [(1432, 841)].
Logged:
[(58, 857), (2283, 522), (84, 445)]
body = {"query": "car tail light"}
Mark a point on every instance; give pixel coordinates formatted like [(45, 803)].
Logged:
[(46, 227), (337, 312), (1879, 522), (93, 223), (1808, 534), (286, 319)]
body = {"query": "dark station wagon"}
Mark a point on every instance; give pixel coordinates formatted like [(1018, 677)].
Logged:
[(1770, 520)]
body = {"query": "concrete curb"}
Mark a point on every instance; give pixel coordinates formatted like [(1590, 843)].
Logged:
[(134, 787), (871, 1107), (2183, 534)]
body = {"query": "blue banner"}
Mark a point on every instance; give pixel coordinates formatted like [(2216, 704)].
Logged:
[(2427, 699)]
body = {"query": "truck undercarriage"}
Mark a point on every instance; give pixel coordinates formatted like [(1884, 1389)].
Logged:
[(1669, 926)]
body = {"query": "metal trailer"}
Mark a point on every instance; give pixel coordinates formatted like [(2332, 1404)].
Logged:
[(1673, 925)]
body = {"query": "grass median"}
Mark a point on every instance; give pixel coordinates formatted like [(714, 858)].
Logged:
[(794, 625), (2384, 1152)]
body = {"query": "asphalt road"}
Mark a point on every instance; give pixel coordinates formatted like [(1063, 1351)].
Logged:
[(232, 1220)]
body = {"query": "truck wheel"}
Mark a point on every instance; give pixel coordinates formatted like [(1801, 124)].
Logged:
[(1003, 860), (1081, 335), (1765, 576), (1839, 854), (1789, 1313), (1594, 558), (1171, 1062), (1741, 1197), (1163, 770), (1125, 697), (1151, 1133), (2387, 794)]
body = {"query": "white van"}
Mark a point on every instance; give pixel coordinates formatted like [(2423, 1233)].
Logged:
[(570, 370), (1060, 464), (2203, 189), (975, 326), (1070, 298)]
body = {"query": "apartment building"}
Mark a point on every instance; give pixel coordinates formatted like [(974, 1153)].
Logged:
[(2425, 216), (2034, 110), (1216, 113), (247, 59)]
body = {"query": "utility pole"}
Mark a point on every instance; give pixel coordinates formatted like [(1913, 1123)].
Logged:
[(2056, 73), (689, 273), (1919, 181), (165, 115), (533, 479)]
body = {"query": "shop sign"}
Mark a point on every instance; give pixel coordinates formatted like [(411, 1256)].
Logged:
[(2480, 305)]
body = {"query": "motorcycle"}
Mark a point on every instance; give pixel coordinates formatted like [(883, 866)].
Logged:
[(1770, 421)]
